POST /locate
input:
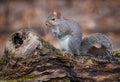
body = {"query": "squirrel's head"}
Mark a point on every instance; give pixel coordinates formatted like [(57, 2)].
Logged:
[(53, 19)]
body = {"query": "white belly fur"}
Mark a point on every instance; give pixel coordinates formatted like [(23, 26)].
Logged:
[(64, 43)]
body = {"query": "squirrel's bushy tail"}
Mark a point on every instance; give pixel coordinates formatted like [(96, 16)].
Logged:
[(89, 45)]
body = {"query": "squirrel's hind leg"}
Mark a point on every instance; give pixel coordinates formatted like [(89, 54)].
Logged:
[(74, 46)]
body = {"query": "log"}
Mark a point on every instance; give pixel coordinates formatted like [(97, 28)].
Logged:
[(29, 58)]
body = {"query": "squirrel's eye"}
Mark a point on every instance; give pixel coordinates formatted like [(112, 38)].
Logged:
[(53, 19)]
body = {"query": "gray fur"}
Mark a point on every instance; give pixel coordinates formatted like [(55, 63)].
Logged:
[(72, 31)]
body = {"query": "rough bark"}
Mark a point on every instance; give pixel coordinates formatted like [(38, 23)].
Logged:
[(29, 58)]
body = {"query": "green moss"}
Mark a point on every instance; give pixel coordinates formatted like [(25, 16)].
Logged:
[(22, 79), (60, 80), (116, 52)]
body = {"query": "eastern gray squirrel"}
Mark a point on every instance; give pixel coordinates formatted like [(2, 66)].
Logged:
[(69, 35), (68, 32)]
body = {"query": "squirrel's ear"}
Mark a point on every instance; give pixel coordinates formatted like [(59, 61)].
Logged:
[(57, 13)]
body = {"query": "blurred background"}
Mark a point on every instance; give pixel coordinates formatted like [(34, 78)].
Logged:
[(93, 15)]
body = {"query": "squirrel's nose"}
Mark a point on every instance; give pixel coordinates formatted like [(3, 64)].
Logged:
[(46, 24)]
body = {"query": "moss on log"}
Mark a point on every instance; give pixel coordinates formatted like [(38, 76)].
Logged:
[(29, 58)]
